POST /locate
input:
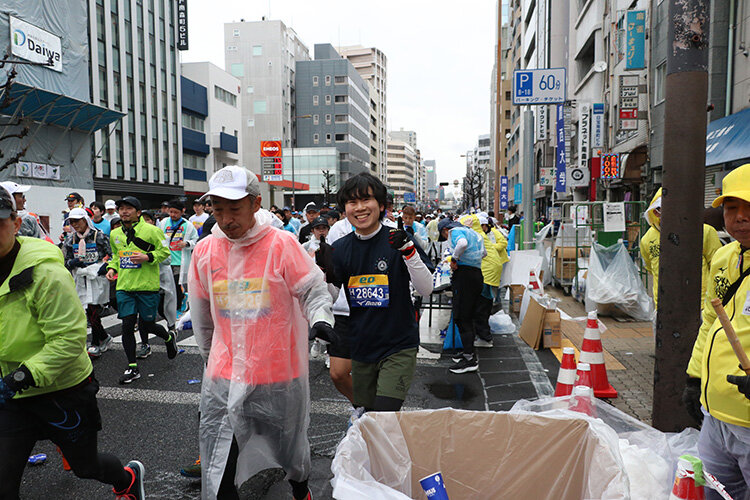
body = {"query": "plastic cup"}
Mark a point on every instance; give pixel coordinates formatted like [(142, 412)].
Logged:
[(434, 487)]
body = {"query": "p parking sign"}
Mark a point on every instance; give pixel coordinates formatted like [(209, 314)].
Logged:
[(539, 86)]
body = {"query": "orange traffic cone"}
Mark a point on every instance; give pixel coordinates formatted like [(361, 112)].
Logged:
[(593, 353), (581, 399), (688, 480), (566, 377), (66, 465)]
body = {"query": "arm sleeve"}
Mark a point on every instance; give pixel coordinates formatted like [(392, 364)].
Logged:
[(460, 247), (114, 262), (708, 317), (191, 235), (200, 305), (63, 326), (420, 275)]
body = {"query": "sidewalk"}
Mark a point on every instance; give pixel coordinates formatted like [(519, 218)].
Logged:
[(632, 344)]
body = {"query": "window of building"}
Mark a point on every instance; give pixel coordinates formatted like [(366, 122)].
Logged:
[(341, 118), (225, 96), (231, 48), (315, 119), (507, 114), (257, 50), (237, 69), (193, 161), (250, 122), (250, 89), (341, 99), (315, 81), (328, 80), (236, 33), (259, 107), (315, 100), (340, 137), (193, 122), (316, 138), (339, 80), (507, 96), (328, 119), (328, 138), (660, 76), (328, 100)]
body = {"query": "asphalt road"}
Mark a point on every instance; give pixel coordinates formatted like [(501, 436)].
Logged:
[(155, 420)]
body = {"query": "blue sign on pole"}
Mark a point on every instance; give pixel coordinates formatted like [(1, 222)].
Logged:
[(560, 174), (504, 192), (635, 56), (410, 197), (518, 194)]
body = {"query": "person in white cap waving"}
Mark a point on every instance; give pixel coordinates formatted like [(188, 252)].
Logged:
[(253, 292)]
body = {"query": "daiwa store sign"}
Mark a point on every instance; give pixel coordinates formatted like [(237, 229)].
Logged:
[(34, 44)]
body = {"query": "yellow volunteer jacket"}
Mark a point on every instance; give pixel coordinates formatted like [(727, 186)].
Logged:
[(713, 358), (650, 248), (495, 244)]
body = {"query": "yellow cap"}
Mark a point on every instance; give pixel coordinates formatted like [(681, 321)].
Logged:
[(735, 185)]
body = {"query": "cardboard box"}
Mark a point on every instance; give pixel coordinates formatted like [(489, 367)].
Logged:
[(523, 455), (551, 331), (533, 321), (565, 262), (516, 296)]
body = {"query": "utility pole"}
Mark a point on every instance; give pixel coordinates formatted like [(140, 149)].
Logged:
[(678, 316), (498, 110)]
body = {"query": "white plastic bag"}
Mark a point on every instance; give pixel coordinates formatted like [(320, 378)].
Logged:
[(543, 245), (613, 279), (501, 323)]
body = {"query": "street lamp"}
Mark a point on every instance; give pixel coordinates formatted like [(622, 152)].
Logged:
[(294, 191)]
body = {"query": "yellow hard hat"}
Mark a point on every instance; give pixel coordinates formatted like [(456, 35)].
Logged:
[(735, 185)]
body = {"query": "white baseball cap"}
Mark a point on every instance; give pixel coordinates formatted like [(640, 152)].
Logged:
[(110, 204), (14, 188), (233, 183), (482, 219)]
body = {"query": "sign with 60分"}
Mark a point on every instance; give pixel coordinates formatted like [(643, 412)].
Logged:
[(539, 86)]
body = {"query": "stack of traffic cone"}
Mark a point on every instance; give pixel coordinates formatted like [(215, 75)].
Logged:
[(685, 486), (581, 399), (593, 353), (566, 377), (533, 282)]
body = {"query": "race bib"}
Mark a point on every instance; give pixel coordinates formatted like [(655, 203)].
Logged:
[(369, 290), (125, 262), (247, 298), (92, 255), (179, 235)]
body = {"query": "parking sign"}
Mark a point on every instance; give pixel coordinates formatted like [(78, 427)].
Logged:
[(539, 86)]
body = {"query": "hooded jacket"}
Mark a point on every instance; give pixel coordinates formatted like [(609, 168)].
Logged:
[(42, 325), (137, 277), (495, 244), (713, 357), (650, 247)]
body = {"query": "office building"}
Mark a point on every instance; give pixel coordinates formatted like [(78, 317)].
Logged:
[(402, 169), (135, 70)]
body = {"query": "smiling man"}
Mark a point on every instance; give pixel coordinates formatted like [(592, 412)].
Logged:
[(375, 265), (253, 292), (718, 391)]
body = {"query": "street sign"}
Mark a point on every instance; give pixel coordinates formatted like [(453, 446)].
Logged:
[(629, 114), (635, 39), (629, 91), (410, 197), (610, 166), (541, 123), (503, 192), (560, 174), (629, 102), (546, 176), (597, 126), (272, 168), (539, 86)]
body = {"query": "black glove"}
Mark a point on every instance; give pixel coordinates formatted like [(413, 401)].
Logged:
[(742, 382), (73, 263), (323, 331), (17, 381), (691, 398), (102, 270), (399, 240), (80, 263), (324, 258)]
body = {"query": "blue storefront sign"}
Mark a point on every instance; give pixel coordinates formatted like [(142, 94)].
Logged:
[(560, 173), (518, 193), (503, 192), (635, 39)]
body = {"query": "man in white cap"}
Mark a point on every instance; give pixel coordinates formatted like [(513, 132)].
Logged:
[(29, 225), (111, 210), (253, 292)]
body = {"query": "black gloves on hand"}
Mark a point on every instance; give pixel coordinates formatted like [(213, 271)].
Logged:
[(324, 259), (691, 398), (323, 331), (102, 270), (742, 382), (399, 240)]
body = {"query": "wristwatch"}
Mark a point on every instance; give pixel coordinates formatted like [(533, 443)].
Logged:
[(19, 377)]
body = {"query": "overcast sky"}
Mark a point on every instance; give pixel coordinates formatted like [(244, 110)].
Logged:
[(440, 58)]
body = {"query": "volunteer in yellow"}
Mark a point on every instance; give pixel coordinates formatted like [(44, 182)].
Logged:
[(717, 389), (650, 246)]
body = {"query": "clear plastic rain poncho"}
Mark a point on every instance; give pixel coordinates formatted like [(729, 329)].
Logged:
[(251, 301)]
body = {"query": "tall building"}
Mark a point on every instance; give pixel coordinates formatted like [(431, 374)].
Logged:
[(211, 123), (48, 119), (431, 183), (501, 123), (263, 55), (402, 169), (372, 65), (134, 69), (336, 97)]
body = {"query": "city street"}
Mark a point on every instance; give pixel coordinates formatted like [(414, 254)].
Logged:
[(155, 419)]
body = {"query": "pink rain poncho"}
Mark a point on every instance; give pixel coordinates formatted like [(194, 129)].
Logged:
[(251, 301)]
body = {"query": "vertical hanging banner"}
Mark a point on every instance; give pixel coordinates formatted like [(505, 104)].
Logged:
[(560, 174), (579, 174), (597, 126), (182, 25), (541, 123), (503, 192), (635, 39)]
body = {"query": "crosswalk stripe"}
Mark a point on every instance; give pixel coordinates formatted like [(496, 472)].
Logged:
[(112, 321)]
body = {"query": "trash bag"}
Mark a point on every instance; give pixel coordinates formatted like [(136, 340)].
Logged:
[(501, 323), (543, 245), (613, 279)]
